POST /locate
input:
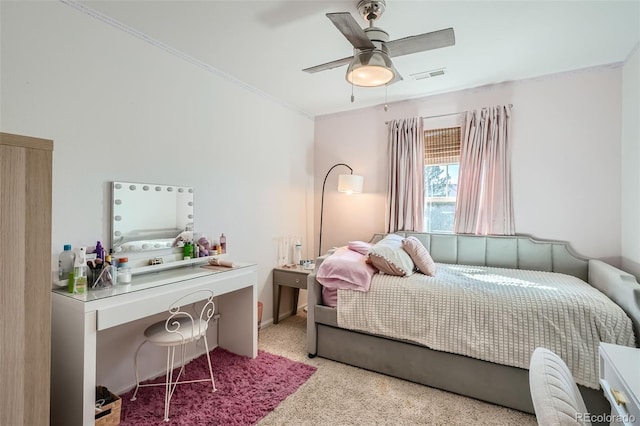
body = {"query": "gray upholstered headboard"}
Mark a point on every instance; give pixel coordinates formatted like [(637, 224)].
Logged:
[(515, 252)]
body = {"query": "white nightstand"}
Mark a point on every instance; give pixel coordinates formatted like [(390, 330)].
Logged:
[(620, 381)]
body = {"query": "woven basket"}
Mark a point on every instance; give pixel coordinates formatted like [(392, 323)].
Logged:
[(110, 413)]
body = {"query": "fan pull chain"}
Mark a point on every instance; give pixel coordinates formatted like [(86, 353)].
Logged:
[(352, 98), (385, 97)]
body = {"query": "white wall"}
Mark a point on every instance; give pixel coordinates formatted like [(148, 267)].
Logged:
[(630, 161), (566, 158), (119, 108)]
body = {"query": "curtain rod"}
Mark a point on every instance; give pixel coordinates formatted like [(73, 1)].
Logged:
[(445, 115)]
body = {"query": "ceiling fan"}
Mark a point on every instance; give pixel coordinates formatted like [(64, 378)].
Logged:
[(371, 65)]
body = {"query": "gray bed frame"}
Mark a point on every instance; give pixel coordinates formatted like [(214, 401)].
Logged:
[(483, 380)]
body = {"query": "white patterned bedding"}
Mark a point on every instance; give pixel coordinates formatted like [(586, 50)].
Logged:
[(494, 314)]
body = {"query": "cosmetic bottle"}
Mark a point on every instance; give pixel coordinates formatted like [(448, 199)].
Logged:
[(112, 272), (223, 243), (71, 285), (80, 270), (124, 271), (297, 253), (187, 250), (99, 251), (65, 262)]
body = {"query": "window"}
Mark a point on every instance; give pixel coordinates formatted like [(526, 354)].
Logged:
[(441, 167), (441, 182)]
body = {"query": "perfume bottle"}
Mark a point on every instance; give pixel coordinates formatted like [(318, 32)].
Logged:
[(223, 243)]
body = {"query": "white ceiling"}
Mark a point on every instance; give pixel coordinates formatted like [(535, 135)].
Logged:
[(266, 44)]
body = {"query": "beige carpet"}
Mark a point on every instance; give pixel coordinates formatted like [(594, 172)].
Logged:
[(338, 394)]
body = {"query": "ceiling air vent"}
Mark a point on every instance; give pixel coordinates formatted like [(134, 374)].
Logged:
[(428, 74)]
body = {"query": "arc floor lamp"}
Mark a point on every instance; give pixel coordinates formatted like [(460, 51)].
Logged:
[(348, 184)]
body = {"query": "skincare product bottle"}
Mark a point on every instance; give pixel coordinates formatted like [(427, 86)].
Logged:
[(124, 271), (110, 276), (99, 251), (297, 253), (80, 284), (188, 250), (71, 285), (223, 243), (80, 270), (65, 263)]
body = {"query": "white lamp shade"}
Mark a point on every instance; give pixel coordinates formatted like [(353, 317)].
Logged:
[(370, 69), (350, 184)]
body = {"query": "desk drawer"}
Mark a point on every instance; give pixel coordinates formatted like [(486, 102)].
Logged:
[(290, 279), (611, 384)]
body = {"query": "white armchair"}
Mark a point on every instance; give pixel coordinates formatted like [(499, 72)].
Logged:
[(556, 398)]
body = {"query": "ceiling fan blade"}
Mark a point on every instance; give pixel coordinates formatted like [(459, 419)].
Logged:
[(348, 26), (421, 43), (329, 65)]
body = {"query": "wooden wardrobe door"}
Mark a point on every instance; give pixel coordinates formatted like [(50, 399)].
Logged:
[(25, 289)]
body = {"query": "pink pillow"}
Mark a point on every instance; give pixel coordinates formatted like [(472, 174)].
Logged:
[(360, 246), (345, 269), (420, 255)]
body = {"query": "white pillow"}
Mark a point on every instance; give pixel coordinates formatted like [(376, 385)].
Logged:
[(390, 258)]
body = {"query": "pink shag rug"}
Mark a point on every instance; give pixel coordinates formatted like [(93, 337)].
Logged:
[(247, 390)]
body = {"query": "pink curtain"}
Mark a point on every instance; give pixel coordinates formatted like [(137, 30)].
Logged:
[(405, 185), (484, 204)]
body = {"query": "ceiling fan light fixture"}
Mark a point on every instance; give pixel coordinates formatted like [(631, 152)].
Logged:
[(370, 68)]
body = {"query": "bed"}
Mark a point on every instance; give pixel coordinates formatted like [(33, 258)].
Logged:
[(459, 369)]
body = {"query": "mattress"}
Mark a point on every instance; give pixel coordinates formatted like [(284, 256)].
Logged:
[(494, 314)]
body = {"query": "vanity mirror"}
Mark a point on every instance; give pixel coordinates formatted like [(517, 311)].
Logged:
[(149, 216)]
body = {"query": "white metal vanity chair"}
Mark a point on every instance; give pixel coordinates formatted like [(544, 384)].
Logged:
[(181, 328)]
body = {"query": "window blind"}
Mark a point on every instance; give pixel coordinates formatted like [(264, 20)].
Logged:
[(442, 146)]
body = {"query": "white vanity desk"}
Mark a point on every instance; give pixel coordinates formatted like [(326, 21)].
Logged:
[(620, 381), (77, 318)]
